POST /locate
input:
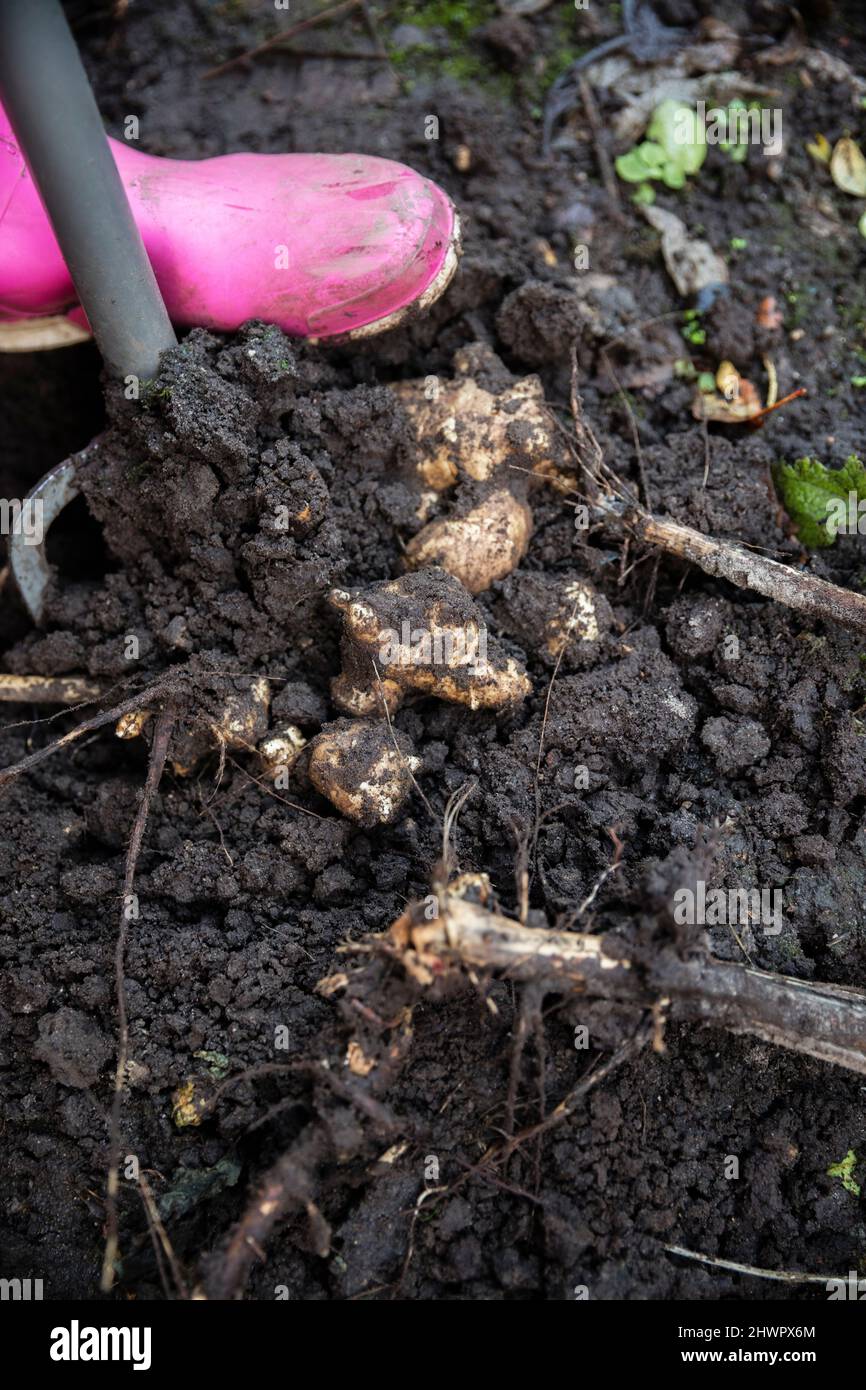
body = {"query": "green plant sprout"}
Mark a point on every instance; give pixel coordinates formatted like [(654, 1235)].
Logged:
[(732, 142), (675, 146), (692, 329)]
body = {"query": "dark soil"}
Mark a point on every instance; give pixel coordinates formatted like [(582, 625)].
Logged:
[(748, 757)]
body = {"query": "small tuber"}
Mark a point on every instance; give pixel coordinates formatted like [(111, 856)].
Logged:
[(365, 769), (420, 634), (479, 547)]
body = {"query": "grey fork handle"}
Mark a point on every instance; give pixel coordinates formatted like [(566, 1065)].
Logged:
[(47, 97)]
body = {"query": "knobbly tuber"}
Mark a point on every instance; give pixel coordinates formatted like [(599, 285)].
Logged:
[(484, 544), (488, 433), (365, 768), (473, 424), (420, 634), (239, 721), (559, 616), (281, 747), (132, 725)]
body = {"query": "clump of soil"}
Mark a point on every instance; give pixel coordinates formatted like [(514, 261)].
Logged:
[(700, 725)]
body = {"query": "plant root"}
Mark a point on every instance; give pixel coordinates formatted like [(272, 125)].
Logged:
[(290, 1182), (824, 1021), (783, 1276), (88, 726), (158, 755)]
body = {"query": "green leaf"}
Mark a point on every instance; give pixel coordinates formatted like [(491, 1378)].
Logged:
[(653, 155), (644, 194), (192, 1186), (631, 167), (811, 495), (675, 126), (673, 176), (844, 1169), (734, 145), (217, 1063)]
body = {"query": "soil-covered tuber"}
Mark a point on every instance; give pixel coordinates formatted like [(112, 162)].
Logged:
[(236, 718), (482, 419), (479, 547), (365, 768), (488, 434), (420, 634)]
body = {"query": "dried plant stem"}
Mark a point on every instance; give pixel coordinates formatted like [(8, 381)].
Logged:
[(748, 570), (290, 1182), (605, 164), (331, 12), (821, 1020), (48, 690), (721, 559), (163, 1247), (88, 726)]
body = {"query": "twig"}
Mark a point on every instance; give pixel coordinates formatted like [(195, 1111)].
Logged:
[(600, 478), (288, 1183), (784, 1276), (760, 416), (608, 176), (159, 1236), (707, 458), (335, 54), (330, 13), (135, 702), (570, 626), (569, 629), (48, 690), (565, 1108), (747, 570), (635, 434), (158, 754), (611, 868), (456, 801), (720, 559), (372, 27), (207, 811), (304, 810)]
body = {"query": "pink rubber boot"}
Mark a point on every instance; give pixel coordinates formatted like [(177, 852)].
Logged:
[(319, 244)]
